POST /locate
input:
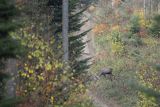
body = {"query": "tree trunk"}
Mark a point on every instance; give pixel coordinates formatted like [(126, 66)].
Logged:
[(65, 26), (144, 7), (155, 6), (11, 69)]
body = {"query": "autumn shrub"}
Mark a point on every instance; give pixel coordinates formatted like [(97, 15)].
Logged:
[(100, 28), (43, 80), (112, 41), (116, 43), (143, 21)]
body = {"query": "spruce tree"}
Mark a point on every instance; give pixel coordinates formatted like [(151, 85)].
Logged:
[(76, 44), (8, 45), (155, 26)]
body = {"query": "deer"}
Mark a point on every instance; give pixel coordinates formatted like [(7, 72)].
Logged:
[(106, 72)]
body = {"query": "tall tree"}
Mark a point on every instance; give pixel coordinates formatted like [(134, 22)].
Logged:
[(144, 7), (76, 44), (65, 30), (9, 47)]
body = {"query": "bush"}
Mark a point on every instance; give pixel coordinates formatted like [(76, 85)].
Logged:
[(42, 79), (146, 101), (135, 24), (155, 26), (136, 40), (131, 39), (148, 77), (116, 43)]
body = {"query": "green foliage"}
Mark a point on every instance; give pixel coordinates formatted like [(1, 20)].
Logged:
[(155, 26), (76, 44), (148, 92), (7, 11), (3, 78), (117, 45), (148, 96), (10, 102), (132, 39), (147, 101), (9, 46), (135, 24)]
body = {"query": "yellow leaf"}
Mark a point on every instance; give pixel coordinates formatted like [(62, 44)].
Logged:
[(48, 67), (31, 71), (29, 56)]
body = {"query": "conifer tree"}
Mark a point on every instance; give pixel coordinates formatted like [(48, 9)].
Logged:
[(76, 44), (8, 45)]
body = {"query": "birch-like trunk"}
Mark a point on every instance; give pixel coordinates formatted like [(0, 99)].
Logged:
[(144, 7), (65, 28)]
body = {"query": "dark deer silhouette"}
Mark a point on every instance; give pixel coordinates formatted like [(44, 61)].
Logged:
[(106, 72)]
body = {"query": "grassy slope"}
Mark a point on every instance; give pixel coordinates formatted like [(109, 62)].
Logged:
[(125, 67)]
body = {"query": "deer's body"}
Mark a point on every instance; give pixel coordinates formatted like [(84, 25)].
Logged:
[(106, 72)]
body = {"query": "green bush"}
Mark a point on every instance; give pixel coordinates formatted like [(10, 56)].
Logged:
[(155, 26), (116, 43), (135, 25), (136, 40), (131, 39)]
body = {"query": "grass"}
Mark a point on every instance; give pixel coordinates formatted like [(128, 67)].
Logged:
[(124, 69)]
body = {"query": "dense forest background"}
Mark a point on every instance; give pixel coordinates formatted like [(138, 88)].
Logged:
[(79, 53)]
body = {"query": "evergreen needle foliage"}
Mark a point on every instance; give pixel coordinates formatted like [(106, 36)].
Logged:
[(155, 26), (76, 45), (8, 45)]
